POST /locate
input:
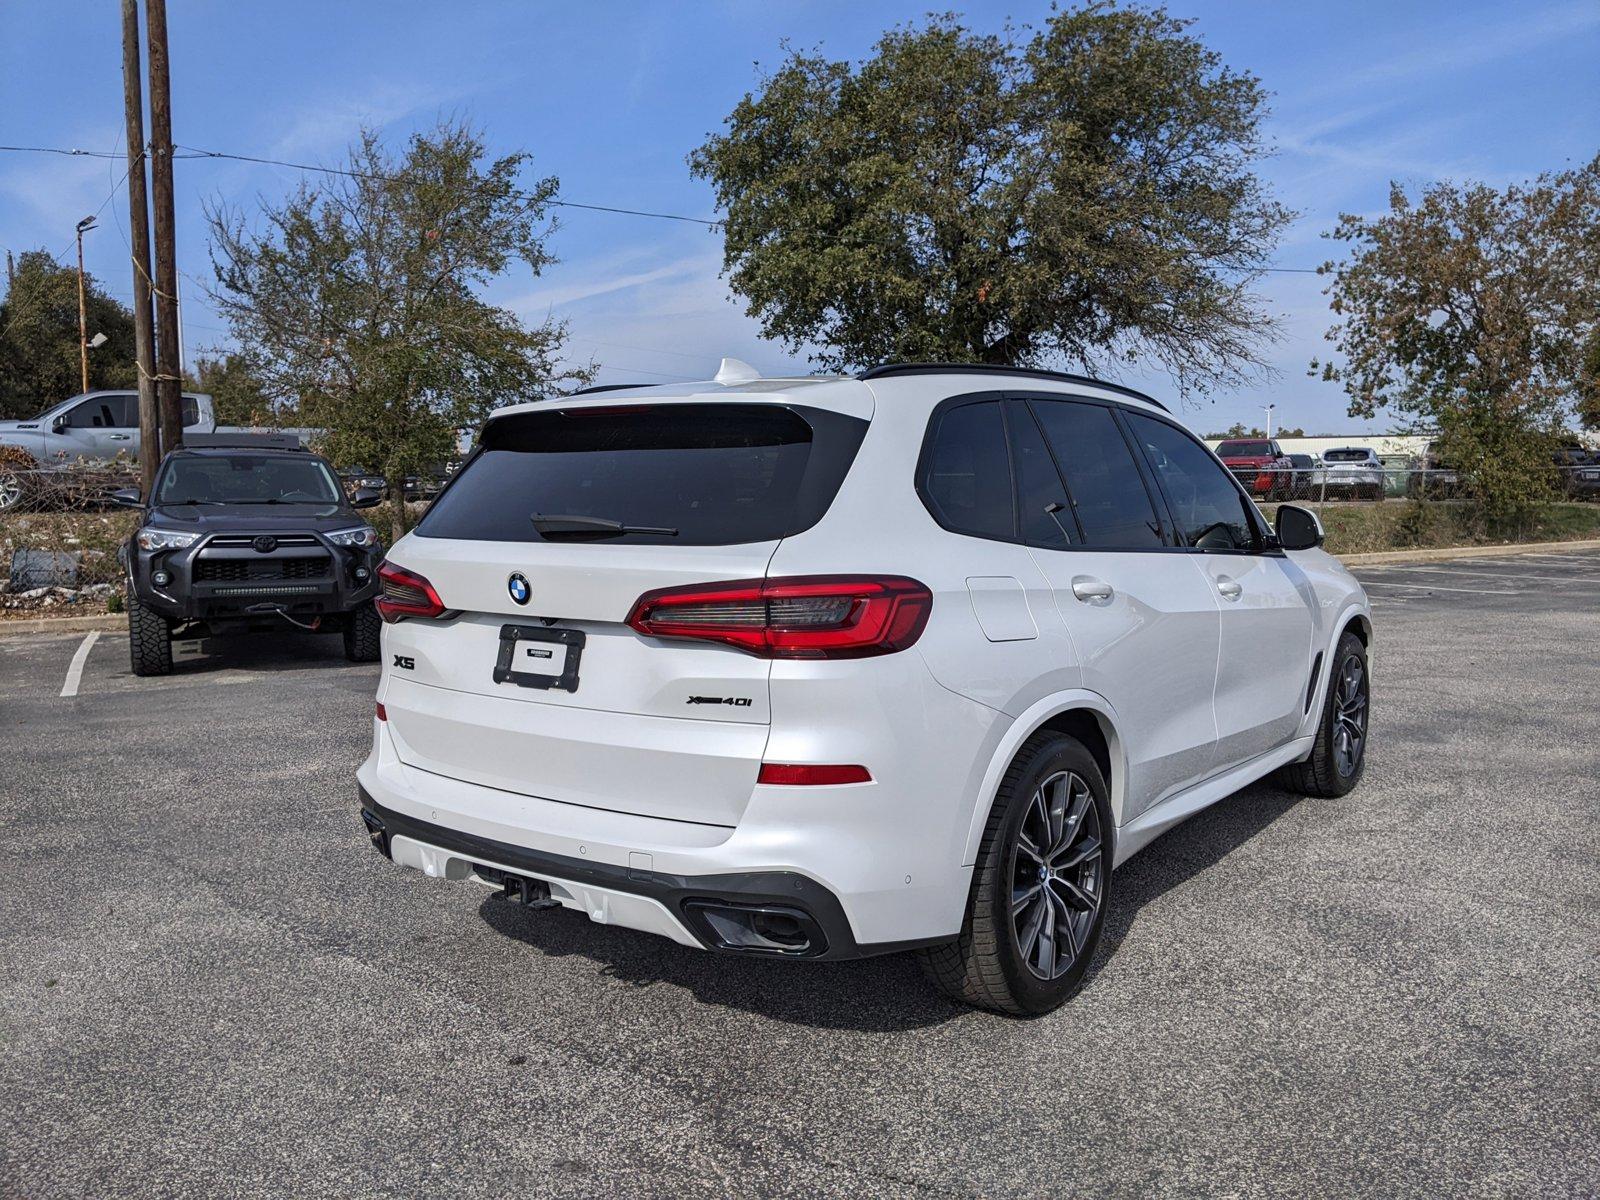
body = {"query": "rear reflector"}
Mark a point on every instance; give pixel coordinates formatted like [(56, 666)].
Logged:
[(383, 713), (803, 616), (403, 593), (811, 775)]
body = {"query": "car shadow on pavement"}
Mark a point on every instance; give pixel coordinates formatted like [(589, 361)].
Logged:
[(883, 994), (258, 652), (1183, 852)]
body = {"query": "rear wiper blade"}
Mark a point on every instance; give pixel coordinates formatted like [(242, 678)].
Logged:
[(595, 526)]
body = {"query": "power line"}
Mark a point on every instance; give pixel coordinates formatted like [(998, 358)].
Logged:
[(195, 152)]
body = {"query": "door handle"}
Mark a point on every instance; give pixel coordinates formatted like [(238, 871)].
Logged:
[(118, 437), (1230, 588), (1087, 587)]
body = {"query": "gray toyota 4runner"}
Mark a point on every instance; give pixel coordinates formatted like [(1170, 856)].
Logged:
[(236, 538)]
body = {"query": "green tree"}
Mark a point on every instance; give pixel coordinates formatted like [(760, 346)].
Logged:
[(1085, 195), (238, 393), (1238, 430), (39, 363), (360, 299), (1468, 311)]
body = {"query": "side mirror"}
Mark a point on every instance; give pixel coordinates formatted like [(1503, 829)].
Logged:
[(58, 424), (1298, 528), (127, 498), (366, 497)]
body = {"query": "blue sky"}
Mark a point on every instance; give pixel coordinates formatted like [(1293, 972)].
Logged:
[(610, 97)]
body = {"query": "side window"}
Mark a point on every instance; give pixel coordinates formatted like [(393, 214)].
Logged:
[(100, 413), (191, 411), (124, 411), (1108, 493), (966, 472), (1043, 508), (1206, 504)]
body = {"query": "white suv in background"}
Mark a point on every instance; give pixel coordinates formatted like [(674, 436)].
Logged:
[(828, 667)]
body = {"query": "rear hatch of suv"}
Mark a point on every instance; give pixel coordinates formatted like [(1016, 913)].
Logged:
[(531, 680)]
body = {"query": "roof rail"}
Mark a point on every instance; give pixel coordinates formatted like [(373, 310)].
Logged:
[(888, 370), (608, 387)]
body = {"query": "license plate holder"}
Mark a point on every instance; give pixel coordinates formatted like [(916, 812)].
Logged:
[(534, 640)]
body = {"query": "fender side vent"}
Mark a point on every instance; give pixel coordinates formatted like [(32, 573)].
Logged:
[(1311, 688)]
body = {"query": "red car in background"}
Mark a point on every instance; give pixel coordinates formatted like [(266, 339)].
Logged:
[(1261, 465)]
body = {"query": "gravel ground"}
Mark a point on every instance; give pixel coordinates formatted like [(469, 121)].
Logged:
[(210, 984)]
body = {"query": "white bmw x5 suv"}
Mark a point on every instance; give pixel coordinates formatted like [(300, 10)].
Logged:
[(828, 667)]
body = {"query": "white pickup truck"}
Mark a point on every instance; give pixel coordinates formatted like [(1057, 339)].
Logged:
[(95, 427)]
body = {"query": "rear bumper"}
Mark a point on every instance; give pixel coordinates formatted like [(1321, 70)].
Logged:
[(680, 907), (848, 858)]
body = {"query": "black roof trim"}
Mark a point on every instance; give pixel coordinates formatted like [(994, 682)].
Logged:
[(607, 387), (888, 370), (243, 440)]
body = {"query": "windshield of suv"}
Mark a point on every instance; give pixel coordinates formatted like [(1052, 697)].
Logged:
[(681, 474), (1245, 450), (247, 479)]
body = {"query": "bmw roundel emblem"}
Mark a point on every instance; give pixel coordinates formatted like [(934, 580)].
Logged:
[(517, 585)]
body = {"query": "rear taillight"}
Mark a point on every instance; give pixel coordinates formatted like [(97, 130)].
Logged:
[(403, 593), (804, 616)]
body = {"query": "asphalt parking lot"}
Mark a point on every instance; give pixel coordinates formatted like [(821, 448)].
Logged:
[(212, 984)]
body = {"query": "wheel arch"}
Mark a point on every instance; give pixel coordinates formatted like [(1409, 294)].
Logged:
[(1084, 715)]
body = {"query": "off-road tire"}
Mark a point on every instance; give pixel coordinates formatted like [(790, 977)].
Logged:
[(149, 639), (984, 966), (1319, 774), (363, 630)]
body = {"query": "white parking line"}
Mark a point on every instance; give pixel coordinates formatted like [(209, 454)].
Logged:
[(1433, 587), (75, 670), (1507, 576)]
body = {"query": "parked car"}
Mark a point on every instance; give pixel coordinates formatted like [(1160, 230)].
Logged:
[(1580, 472), (823, 668), (248, 537), (417, 487), (1266, 472), (1355, 470), (1434, 479), (1306, 467)]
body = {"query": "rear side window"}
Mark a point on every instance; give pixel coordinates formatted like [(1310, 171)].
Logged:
[(1108, 494), (719, 474), (1206, 503), (966, 471)]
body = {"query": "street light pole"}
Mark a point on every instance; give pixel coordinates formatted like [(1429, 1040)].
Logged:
[(1267, 408), (83, 317)]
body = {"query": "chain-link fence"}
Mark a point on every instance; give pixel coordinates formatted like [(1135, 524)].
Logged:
[(60, 534), (1322, 483)]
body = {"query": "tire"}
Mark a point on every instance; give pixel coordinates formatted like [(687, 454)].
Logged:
[(362, 634), (149, 639), (993, 964), (1328, 771)]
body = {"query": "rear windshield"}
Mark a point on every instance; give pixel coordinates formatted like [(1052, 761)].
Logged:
[(718, 474), (1244, 450), (1345, 456)]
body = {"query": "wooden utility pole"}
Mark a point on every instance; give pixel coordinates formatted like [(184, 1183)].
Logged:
[(169, 384), (144, 334)]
